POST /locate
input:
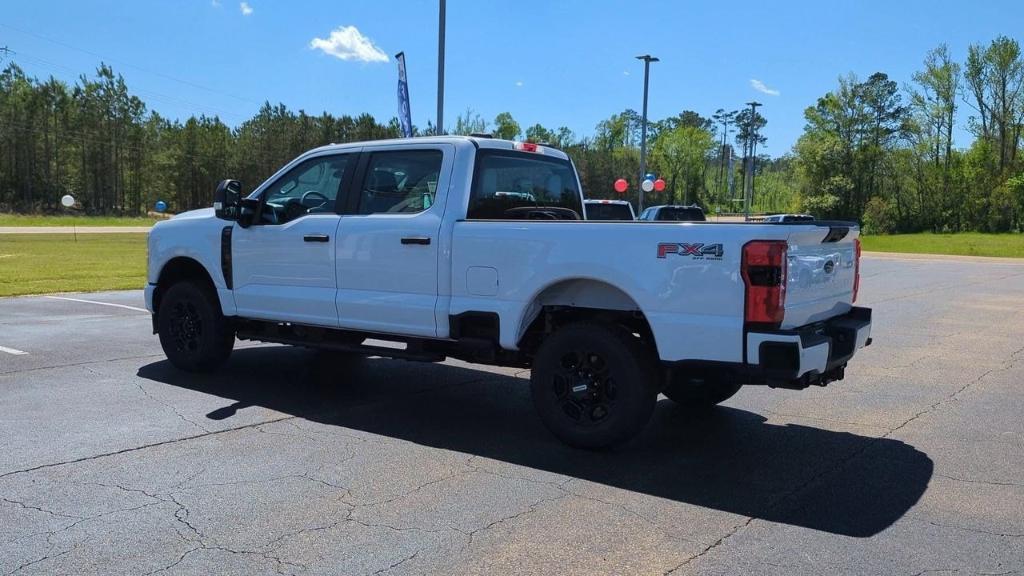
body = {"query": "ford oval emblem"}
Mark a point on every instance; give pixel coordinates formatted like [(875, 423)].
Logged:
[(829, 266)]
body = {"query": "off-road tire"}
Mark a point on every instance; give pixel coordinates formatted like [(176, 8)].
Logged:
[(594, 385), (193, 332)]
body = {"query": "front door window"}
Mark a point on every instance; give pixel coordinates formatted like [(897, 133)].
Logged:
[(312, 187)]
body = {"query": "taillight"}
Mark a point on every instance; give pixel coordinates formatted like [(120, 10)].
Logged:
[(856, 269), (764, 275)]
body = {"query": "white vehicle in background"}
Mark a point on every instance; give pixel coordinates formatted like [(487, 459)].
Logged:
[(608, 210), (788, 218), (673, 213), (474, 248)]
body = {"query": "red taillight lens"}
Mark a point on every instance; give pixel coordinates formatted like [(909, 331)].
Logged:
[(764, 275), (856, 269), (527, 146)]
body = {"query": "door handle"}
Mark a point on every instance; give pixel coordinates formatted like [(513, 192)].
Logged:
[(316, 238), (424, 240)]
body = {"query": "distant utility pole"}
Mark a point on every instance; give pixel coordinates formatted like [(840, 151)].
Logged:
[(5, 51), (440, 68), (751, 146), (647, 58)]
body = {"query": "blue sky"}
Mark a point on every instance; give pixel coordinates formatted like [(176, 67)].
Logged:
[(558, 63)]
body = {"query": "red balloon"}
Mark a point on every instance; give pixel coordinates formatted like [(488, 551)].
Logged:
[(621, 185), (659, 185)]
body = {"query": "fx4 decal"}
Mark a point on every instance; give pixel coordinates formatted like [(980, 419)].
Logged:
[(695, 251)]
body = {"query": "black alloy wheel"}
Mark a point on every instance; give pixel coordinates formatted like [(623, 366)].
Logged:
[(594, 385)]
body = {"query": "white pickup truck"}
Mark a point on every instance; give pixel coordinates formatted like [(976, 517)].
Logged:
[(473, 248)]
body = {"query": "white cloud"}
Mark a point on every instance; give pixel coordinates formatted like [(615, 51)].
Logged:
[(245, 8), (762, 88), (348, 43), (625, 72), (215, 3), (519, 83)]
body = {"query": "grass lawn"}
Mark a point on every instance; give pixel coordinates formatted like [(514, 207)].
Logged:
[(41, 263), (37, 220), (963, 244)]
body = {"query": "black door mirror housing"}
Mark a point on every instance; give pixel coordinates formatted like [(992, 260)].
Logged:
[(248, 209), (227, 200)]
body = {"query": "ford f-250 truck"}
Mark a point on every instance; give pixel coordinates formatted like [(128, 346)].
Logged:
[(473, 248)]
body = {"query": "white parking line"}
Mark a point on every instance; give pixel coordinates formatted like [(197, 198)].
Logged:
[(13, 351), (95, 302)]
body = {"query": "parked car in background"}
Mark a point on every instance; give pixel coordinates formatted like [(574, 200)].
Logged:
[(789, 218), (674, 213), (608, 210)]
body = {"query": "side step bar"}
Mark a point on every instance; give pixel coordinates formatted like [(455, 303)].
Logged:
[(323, 340)]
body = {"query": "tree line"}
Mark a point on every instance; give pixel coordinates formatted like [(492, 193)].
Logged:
[(886, 155), (871, 150), (96, 141)]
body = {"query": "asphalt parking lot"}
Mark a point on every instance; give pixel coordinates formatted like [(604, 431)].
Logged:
[(296, 462)]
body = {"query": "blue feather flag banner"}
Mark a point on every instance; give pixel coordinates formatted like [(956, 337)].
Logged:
[(404, 113)]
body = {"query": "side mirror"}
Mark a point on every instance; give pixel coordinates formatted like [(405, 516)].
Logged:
[(227, 199), (248, 209)]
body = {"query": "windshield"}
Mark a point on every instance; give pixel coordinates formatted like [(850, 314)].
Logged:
[(599, 211), (674, 214), (516, 185)]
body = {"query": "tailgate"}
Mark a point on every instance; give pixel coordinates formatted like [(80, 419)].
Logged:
[(821, 269)]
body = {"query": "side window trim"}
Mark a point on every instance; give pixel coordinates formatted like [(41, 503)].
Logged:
[(350, 204), (345, 186)]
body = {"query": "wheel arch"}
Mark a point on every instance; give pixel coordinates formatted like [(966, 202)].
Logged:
[(576, 299), (178, 269)]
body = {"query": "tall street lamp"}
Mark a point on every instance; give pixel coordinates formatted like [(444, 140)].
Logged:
[(439, 129), (647, 58)]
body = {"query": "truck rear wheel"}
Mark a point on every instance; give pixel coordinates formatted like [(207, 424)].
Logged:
[(594, 385), (699, 394), (193, 332)]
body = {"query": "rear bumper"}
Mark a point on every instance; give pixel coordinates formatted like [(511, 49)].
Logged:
[(813, 354)]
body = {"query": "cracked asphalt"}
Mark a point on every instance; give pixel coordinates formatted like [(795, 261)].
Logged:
[(289, 461)]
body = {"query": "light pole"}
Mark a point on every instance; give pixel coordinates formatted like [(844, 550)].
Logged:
[(439, 129), (751, 145), (647, 58)]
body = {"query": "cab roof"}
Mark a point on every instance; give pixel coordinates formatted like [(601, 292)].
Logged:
[(477, 141)]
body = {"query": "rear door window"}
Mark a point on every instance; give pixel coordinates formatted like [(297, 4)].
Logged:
[(520, 185), (400, 182)]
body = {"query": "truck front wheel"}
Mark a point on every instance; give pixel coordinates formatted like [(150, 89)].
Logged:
[(193, 332), (594, 385)]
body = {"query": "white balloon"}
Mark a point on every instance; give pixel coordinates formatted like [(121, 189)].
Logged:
[(67, 201), (647, 185)]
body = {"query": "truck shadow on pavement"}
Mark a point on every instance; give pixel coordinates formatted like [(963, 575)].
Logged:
[(725, 459)]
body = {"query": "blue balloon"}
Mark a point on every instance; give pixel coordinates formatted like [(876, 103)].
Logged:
[(649, 177), (160, 206)]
